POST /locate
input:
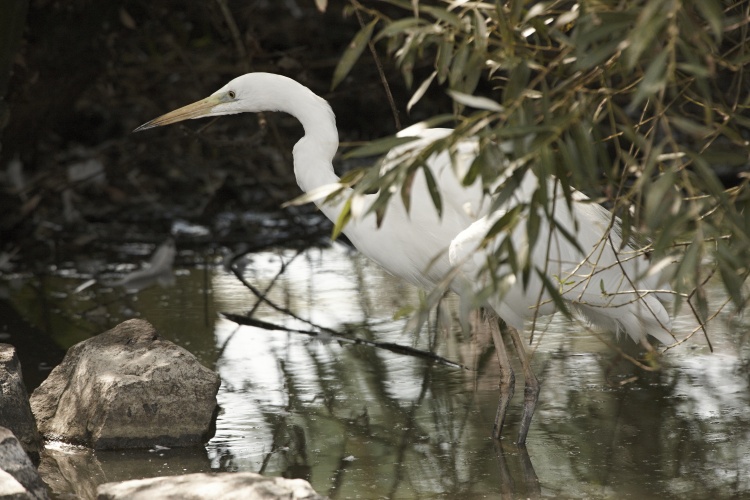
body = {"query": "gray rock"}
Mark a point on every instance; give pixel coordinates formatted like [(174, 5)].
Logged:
[(15, 412), (17, 470), (127, 388), (226, 485)]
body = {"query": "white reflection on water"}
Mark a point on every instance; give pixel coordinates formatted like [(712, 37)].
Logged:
[(296, 406)]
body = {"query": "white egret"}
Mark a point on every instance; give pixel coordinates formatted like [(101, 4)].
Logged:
[(414, 244)]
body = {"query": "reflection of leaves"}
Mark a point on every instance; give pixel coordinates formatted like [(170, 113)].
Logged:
[(326, 403), (157, 270)]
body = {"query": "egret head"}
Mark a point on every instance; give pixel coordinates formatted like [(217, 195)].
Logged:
[(252, 92)]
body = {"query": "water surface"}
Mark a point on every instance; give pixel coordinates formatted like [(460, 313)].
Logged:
[(362, 422)]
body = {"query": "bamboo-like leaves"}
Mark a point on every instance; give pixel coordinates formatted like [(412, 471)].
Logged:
[(636, 104)]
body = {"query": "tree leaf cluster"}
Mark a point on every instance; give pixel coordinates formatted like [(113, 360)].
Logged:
[(641, 105)]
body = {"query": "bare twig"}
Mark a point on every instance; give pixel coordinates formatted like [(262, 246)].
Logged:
[(379, 65)]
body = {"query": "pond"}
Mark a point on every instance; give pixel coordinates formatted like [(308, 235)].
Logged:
[(363, 422)]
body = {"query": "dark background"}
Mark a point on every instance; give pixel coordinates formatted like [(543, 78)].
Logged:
[(79, 76)]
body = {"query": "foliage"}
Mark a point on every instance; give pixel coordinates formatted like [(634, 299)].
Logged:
[(642, 105)]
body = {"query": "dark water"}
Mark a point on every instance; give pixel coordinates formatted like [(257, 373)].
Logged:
[(360, 422)]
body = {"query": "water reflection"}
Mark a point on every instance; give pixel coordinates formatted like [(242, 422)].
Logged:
[(359, 421), (350, 417)]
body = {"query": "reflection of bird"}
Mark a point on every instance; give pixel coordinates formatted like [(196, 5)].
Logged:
[(413, 244)]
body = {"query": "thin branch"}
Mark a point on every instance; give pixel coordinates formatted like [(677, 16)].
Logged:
[(332, 335), (357, 6)]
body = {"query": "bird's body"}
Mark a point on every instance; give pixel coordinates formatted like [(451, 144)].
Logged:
[(422, 246), (606, 284), (413, 244)]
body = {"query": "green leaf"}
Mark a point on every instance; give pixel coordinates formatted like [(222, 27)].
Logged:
[(342, 219), (317, 194), (352, 53), (711, 10), (480, 32), (534, 221), (420, 91), (507, 189), (687, 269), (554, 294), (474, 101), (572, 239), (653, 80), (651, 21), (399, 27), (658, 196), (710, 181), (697, 130), (594, 57), (352, 176), (444, 58), (474, 170), (378, 147), (505, 223), (406, 189), (516, 86), (474, 67), (432, 187), (458, 65), (441, 14)]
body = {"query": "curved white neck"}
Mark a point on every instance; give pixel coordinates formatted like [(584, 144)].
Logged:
[(313, 154)]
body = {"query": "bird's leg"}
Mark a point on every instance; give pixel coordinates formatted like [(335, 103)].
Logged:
[(531, 389), (507, 378)]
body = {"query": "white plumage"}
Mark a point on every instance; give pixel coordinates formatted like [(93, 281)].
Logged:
[(607, 285)]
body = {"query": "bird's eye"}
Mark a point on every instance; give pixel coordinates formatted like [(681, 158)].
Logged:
[(232, 94)]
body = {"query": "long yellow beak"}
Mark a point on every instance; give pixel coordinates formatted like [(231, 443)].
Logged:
[(195, 110)]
